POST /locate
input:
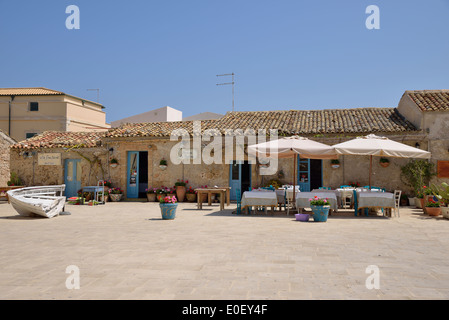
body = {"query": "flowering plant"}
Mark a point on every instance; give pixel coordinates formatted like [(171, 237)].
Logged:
[(432, 203), (191, 190), (151, 190), (426, 191), (168, 199), (354, 184), (115, 191), (181, 183), (107, 183), (317, 201)]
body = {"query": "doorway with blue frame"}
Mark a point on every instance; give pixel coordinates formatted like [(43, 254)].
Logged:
[(310, 174), (137, 174), (239, 177)]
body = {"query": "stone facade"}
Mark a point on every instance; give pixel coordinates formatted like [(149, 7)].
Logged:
[(5, 143)]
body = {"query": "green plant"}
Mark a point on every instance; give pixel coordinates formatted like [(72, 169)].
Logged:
[(191, 190), (432, 203), (163, 162), (181, 183), (441, 192), (14, 180), (317, 201), (335, 161), (384, 160), (168, 199), (114, 160), (115, 191), (416, 174), (275, 183)]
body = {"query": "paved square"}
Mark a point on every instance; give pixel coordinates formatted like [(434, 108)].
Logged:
[(126, 251)]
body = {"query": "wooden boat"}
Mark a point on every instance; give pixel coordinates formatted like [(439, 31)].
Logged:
[(45, 201)]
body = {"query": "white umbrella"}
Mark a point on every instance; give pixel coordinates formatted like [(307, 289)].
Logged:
[(292, 147), (373, 145)]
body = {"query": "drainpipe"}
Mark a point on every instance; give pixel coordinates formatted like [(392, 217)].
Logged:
[(9, 115)]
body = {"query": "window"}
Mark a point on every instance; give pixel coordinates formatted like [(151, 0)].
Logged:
[(34, 106), (30, 134)]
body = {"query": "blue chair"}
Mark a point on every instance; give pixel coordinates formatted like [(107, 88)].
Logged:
[(324, 188), (239, 204), (344, 186)]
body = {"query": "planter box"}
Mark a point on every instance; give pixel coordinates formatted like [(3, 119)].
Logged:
[(116, 197), (302, 217), (445, 212), (191, 197), (433, 211)]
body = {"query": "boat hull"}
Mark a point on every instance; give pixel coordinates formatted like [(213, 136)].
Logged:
[(45, 201)]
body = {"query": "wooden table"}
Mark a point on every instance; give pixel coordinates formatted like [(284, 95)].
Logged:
[(221, 191)]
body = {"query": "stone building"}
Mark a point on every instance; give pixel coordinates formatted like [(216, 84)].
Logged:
[(5, 143), (420, 120)]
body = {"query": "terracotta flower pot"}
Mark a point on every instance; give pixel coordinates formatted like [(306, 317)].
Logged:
[(151, 197), (191, 197), (180, 193), (433, 211), (384, 164)]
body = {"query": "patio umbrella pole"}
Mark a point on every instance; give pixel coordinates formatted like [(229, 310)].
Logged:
[(294, 180), (370, 170)]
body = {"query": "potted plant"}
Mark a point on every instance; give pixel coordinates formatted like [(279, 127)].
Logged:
[(419, 203), (433, 208), (180, 186), (105, 197), (302, 217), (404, 200), (115, 194), (14, 180), (442, 193), (151, 194), (191, 195), (161, 192), (168, 207), (163, 164), (106, 183), (384, 162), (113, 163), (335, 163), (320, 208)]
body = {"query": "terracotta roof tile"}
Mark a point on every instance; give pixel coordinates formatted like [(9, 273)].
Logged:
[(28, 92), (60, 139), (430, 100), (300, 122)]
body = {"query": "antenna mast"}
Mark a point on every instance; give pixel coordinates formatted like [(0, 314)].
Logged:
[(228, 83)]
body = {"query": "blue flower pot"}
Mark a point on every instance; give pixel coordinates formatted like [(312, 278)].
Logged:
[(168, 210), (320, 213)]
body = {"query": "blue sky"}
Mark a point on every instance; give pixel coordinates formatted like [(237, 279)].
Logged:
[(286, 54)]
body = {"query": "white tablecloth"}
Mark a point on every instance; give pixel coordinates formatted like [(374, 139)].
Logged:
[(375, 199), (259, 198), (302, 198)]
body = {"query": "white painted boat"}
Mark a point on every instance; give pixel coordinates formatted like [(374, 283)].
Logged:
[(45, 201)]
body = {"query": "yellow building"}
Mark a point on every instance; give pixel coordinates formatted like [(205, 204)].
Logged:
[(25, 112)]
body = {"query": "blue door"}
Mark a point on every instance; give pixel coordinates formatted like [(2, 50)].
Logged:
[(235, 179), (72, 177), (239, 177), (132, 183), (303, 179)]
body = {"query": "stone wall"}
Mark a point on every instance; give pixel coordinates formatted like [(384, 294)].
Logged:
[(5, 143), (33, 174)]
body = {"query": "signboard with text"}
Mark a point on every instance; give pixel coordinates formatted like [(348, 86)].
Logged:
[(49, 159)]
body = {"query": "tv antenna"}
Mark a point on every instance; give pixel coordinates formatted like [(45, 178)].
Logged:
[(98, 93), (228, 83)]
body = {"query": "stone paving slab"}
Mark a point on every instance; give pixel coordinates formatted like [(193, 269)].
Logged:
[(126, 251)]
